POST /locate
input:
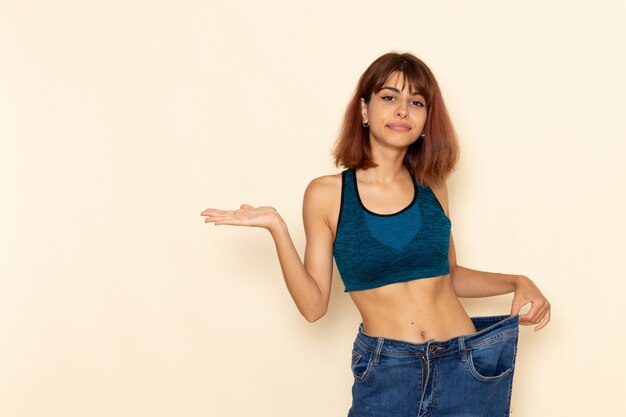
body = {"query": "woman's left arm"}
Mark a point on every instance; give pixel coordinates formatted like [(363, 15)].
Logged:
[(470, 283)]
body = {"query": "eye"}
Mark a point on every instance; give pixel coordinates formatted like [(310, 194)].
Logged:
[(388, 98), (418, 103)]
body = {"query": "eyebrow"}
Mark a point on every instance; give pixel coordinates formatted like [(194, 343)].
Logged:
[(415, 93)]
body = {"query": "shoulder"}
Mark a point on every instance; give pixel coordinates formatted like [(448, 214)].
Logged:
[(322, 194), (324, 186), (440, 189)]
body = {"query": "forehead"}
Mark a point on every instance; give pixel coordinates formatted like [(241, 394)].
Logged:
[(400, 81)]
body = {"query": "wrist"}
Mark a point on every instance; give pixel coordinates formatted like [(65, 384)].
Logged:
[(277, 225), (519, 280)]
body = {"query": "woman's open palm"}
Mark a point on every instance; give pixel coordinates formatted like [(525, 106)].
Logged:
[(262, 216)]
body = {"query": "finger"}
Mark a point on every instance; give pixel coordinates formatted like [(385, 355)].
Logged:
[(224, 218), (537, 312), (523, 318), (210, 211), (233, 222), (527, 318), (220, 215), (545, 320), (210, 218), (515, 309), (218, 218)]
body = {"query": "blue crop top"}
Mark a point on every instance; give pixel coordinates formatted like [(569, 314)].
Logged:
[(372, 250)]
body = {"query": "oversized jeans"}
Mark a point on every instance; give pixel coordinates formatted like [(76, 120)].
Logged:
[(466, 376)]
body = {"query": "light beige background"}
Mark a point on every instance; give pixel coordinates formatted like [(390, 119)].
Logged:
[(121, 121)]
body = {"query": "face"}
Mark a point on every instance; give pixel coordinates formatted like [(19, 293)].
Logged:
[(396, 116)]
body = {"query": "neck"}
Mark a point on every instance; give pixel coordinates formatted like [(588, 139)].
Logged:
[(390, 167)]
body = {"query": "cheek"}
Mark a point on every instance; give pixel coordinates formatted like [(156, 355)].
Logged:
[(420, 117), (377, 113)]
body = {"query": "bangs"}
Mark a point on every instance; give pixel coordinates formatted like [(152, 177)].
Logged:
[(417, 80)]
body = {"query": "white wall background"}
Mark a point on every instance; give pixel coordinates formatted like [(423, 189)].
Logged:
[(121, 121)]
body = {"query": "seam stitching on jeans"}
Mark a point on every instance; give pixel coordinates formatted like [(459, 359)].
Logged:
[(492, 339)]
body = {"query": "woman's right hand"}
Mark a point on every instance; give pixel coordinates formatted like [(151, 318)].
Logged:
[(263, 216)]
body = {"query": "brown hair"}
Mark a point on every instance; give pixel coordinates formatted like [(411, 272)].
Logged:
[(430, 159)]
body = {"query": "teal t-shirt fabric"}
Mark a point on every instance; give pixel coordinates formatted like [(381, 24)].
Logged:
[(372, 249)]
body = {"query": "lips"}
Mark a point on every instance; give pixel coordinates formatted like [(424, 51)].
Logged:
[(399, 127)]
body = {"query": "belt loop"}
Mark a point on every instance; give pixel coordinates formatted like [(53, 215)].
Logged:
[(462, 348), (379, 347)]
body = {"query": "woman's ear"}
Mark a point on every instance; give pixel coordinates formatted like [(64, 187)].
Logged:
[(363, 109)]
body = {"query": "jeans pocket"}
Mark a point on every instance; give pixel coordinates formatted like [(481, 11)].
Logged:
[(494, 359), (361, 363)]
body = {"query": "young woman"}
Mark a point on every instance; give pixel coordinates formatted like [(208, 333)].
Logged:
[(385, 220)]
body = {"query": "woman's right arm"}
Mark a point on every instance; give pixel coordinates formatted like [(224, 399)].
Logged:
[(308, 283)]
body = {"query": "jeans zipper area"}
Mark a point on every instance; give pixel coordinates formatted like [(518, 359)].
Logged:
[(424, 371)]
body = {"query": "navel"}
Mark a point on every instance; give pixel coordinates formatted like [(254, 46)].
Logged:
[(423, 333)]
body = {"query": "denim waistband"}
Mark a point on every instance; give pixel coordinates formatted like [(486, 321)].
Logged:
[(488, 328)]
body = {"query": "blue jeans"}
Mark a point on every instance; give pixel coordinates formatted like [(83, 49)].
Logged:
[(466, 376)]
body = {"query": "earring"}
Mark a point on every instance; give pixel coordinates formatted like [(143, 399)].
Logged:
[(365, 124), (422, 135)]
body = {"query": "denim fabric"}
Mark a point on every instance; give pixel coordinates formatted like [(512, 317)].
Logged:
[(465, 376)]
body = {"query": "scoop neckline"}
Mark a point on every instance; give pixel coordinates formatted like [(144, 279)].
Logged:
[(358, 197)]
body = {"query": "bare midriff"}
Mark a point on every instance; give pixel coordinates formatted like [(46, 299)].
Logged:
[(414, 311)]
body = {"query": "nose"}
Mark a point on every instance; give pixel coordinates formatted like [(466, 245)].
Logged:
[(402, 110)]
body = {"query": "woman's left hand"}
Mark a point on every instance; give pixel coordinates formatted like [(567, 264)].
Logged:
[(527, 292)]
